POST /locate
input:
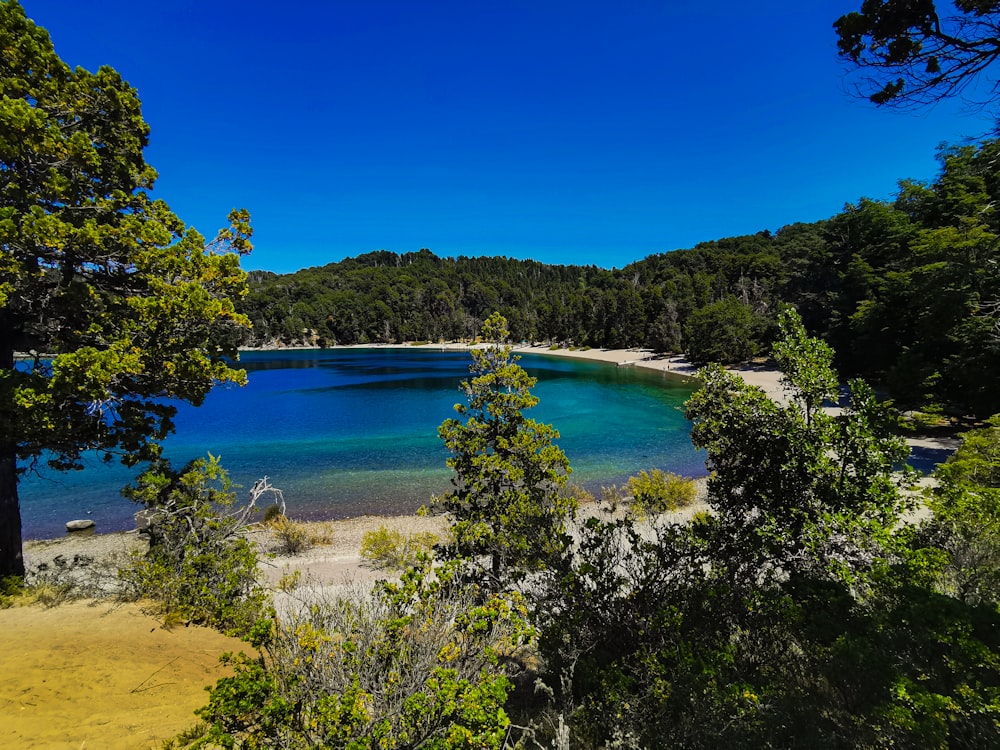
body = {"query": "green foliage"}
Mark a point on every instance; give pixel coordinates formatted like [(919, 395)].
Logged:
[(918, 306), (10, 588), (386, 297), (966, 521), (199, 565), (273, 513), (508, 516), (796, 488), (657, 491), (414, 664), (388, 549), (723, 332), (121, 306), (798, 613), (577, 494), (806, 365)]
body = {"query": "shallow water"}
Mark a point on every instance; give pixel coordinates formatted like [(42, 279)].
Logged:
[(351, 431)]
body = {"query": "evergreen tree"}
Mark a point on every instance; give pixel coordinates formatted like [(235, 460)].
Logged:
[(508, 517), (119, 306)]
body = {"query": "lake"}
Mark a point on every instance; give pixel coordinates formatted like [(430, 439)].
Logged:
[(346, 432)]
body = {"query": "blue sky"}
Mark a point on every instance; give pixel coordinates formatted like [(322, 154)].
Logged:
[(568, 132)]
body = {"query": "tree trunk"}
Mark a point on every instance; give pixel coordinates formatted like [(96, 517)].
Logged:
[(11, 557)]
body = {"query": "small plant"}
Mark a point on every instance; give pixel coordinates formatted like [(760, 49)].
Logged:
[(612, 496), (188, 738), (199, 566), (289, 581), (320, 533), (10, 588), (928, 418), (388, 549), (291, 537), (273, 513), (657, 491), (577, 493)]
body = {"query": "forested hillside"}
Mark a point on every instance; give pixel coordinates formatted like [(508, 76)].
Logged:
[(907, 291)]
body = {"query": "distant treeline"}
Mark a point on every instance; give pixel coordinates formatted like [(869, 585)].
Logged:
[(907, 291)]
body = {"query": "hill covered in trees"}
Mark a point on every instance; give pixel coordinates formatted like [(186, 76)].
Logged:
[(907, 291)]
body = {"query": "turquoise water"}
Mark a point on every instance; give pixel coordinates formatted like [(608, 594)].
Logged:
[(352, 431)]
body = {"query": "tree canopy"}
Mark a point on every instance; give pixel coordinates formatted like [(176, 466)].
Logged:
[(116, 305), (916, 53)]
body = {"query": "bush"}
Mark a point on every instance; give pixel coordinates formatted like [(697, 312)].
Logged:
[(419, 663), (273, 513), (657, 491), (612, 497), (291, 536), (199, 566), (701, 519), (388, 549), (10, 588), (578, 494)]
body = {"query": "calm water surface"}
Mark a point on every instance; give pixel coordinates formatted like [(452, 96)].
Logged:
[(352, 431)]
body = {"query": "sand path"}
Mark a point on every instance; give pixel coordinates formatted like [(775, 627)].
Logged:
[(84, 675)]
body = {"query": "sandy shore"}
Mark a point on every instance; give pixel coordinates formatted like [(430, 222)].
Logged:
[(88, 674)]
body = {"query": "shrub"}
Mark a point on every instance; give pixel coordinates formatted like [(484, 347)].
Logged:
[(612, 497), (273, 513), (388, 549), (419, 663), (199, 566), (10, 588), (657, 491), (576, 493), (291, 537), (930, 417), (320, 533), (289, 581)]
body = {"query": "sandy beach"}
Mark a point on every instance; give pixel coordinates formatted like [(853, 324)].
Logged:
[(95, 675)]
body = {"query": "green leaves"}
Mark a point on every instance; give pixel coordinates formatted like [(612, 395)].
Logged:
[(508, 516), (806, 364), (119, 304), (199, 565), (796, 489), (410, 664), (723, 331)]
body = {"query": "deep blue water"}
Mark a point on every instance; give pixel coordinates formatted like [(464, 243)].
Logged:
[(352, 431)]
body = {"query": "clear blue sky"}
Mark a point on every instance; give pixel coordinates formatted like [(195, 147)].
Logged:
[(568, 132)]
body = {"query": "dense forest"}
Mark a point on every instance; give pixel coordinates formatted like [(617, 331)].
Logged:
[(907, 291)]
